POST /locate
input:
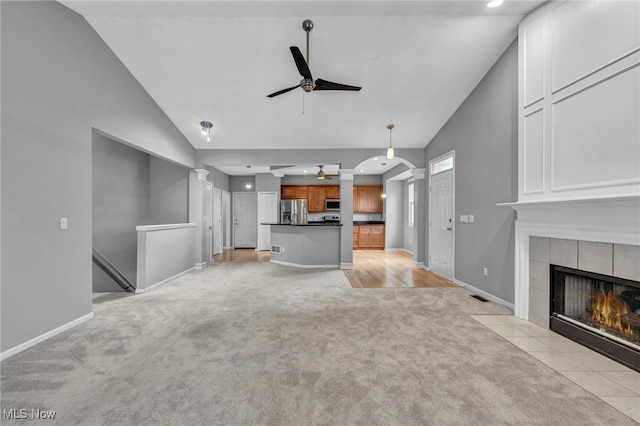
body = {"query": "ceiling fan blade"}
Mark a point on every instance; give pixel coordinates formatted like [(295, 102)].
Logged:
[(280, 92), (303, 68), (328, 85)]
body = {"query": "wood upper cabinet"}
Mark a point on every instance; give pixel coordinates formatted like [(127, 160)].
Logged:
[(367, 198), (332, 192), (289, 192), (316, 198), (368, 236)]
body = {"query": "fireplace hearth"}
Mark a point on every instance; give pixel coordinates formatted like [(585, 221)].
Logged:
[(597, 311)]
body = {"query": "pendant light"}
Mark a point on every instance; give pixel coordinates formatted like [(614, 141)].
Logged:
[(390, 150)]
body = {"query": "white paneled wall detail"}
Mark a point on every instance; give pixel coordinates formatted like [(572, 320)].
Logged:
[(534, 152), (579, 102), (533, 48)]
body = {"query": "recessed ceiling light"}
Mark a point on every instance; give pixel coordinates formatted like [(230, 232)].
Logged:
[(375, 158), (495, 3), (248, 186), (361, 170), (306, 171)]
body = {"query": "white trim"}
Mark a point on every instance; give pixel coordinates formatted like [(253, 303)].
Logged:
[(202, 174), (296, 265), (346, 265), (158, 284), (419, 265), (484, 294), (200, 266), (398, 248), (165, 227), (45, 336), (346, 174)]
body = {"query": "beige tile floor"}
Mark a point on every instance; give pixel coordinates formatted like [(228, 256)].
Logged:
[(610, 381)]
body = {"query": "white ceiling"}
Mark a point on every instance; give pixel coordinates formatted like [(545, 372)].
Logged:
[(217, 60)]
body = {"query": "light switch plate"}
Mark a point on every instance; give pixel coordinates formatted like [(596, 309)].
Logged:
[(63, 223), (464, 218), (471, 218)]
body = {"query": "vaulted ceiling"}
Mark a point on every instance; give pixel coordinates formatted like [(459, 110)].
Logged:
[(217, 60)]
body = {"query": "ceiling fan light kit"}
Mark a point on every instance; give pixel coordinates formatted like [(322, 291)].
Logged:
[(308, 84), (206, 129)]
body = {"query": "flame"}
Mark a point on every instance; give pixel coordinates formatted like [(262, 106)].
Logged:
[(608, 309)]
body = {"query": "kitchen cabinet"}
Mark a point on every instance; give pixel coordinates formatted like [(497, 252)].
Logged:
[(332, 192), (289, 192), (367, 198), (316, 198), (368, 236)]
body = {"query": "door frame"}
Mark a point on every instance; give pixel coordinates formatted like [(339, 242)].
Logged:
[(451, 154), (217, 221), (226, 220), (208, 225)]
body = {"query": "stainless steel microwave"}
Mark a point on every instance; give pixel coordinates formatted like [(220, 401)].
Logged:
[(331, 205)]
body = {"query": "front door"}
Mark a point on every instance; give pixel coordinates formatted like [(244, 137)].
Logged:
[(441, 224), (245, 219)]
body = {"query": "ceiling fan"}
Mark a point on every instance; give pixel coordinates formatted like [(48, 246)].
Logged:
[(307, 83), (321, 175)]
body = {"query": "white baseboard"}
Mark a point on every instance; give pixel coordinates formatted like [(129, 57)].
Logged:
[(346, 265), (399, 248), (419, 265), (484, 294), (158, 284), (41, 338), (296, 265), (200, 266)]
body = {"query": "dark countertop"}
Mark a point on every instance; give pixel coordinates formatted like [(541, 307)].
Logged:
[(305, 224), (368, 222)]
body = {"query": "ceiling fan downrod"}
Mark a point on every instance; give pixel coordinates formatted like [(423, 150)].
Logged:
[(307, 25)]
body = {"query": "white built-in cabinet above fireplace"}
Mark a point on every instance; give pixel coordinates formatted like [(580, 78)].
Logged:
[(579, 103)]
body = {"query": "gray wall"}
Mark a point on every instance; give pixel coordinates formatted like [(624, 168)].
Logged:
[(367, 179), (168, 192), (120, 180), (60, 80), (394, 212), (484, 134), (309, 180), (220, 179), (238, 183), (267, 182)]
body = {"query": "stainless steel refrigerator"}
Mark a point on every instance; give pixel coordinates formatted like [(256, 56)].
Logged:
[(295, 212)]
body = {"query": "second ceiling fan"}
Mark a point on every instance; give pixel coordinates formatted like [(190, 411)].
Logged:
[(307, 83)]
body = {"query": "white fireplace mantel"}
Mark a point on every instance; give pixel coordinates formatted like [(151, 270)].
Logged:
[(611, 219)]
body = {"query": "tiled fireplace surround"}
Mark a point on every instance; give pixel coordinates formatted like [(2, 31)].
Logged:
[(617, 260)]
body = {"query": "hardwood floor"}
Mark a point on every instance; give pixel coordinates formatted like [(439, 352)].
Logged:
[(371, 268), (393, 268), (242, 255)]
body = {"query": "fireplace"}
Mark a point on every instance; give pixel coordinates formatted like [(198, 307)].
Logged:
[(599, 311)]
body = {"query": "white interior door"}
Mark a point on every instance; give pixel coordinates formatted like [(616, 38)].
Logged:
[(441, 224), (245, 219), (226, 218), (208, 219), (217, 221), (267, 213)]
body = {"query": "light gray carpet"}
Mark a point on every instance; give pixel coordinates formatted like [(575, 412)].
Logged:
[(256, 343)]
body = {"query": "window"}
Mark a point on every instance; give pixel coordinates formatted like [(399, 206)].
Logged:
[(442, 165), (411, 205)]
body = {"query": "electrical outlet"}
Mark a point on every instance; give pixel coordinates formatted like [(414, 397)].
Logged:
[(282, 250), (486, 272), (471, 218), (464, 218), (63, 223)]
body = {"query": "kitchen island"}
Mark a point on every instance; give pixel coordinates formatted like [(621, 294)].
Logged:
[(309, 245)]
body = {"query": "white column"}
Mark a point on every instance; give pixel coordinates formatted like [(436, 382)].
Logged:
[(346, 218), (197, 214), (420, 217)]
